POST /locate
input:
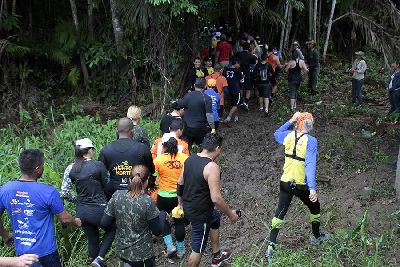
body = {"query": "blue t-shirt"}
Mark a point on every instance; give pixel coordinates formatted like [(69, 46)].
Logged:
[(215, 102), (31, 207)]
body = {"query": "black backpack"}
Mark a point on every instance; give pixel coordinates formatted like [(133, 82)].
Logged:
[(262, 73)]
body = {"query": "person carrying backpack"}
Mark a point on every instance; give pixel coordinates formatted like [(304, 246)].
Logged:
[(262, 74)]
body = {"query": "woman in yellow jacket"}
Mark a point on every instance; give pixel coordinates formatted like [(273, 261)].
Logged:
[(168, 167)]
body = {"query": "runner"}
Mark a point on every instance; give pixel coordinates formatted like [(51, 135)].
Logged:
[(26, 260), (212, 92), (358, 74), (296, 50), (262, 76), (209, 66), (394, 91), (235, 79), (137, 218), (298, 178), (120, 155), (273, 60), (247, 61), (176, 130), (197, 72), (31, 207), (198, 191), (199, 118), (295, 67), (168, 167), (224, 51), (139, 133), (222, 86), (312, 61), (90, 178), (177, 113)]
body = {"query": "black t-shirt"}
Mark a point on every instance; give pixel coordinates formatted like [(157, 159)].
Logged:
[(197, 202), (166, 122), (196, 106), (196, 73), (120, 156), (262, 73), (247, 61), (90, 182), (234, 78)]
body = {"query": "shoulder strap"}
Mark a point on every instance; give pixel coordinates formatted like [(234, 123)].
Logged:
[(296, 139)]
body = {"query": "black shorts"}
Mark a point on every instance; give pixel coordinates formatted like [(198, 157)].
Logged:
[(200, 232), (247, 85), (293, 87), (166, 203), (264, 90), (234, 100)]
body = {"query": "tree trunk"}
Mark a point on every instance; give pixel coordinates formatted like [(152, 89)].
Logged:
[(117, 27), (328, 32), (13, 7), (397, 181), (81, 56), (310, 19), (90, 16), (315, 20), (30, 19), (319, 21), (284, 26), (1, 10), (288, 27)]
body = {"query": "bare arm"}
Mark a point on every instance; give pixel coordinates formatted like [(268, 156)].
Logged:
[(7, 237), (181, 183), (303, 66), (212, 175), (67, 218), (25, 260)]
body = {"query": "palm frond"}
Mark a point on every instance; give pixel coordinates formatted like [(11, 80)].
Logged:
[(73, 76)]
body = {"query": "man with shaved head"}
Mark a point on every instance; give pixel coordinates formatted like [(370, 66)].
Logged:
[(121, 155)]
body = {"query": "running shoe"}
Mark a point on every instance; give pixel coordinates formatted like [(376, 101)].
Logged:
[(228, 119), (225, 256), (261, 109), (323, 237), (180, 254), (269, 253), (171, 251), (236, 119), (97, 262), (245, 106)]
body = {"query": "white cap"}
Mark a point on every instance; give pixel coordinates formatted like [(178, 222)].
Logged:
[(218, 34), (167, 136), (84, 143)]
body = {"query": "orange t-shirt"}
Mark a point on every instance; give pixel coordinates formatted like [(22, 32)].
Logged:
[(157, 148), (221, 83), (168, 169), (273, 60)]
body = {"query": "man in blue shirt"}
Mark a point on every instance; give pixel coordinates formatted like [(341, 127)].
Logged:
[(212, 92), (298, 178), (31, 207)]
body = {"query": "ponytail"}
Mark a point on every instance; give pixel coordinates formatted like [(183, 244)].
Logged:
[(139, 176), (79, 159), (171, 146)]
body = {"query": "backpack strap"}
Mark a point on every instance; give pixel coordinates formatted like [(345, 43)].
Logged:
[(296, 140)]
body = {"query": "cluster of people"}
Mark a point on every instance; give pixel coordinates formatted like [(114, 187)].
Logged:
[(246, 67), (133, 192)]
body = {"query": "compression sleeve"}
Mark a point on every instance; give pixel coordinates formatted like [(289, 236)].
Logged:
[(310, 164), (282, 132)]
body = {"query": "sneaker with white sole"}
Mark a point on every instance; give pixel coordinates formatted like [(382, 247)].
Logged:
[(225, 256), (97, 262), (180, 254), (171, 251), (270, 252), (323, 237), (236, 119)]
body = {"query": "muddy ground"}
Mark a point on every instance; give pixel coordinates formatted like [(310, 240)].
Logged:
[(251, 163)]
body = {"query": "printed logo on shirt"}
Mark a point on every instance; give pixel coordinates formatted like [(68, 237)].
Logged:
[(123, 169), (173, 164)]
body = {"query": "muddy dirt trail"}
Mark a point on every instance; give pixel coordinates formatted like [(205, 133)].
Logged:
[(251, 164)]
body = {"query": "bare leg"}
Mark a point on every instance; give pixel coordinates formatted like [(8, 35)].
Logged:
[(232, 112), (261, 101), (214, 238), (274, 89), (266, 104), (194, 259), (248, 94)]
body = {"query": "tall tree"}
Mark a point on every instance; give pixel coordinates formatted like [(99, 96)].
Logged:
[(117, 27), (81, 56), (285, 16), (328, 32), (90, 16), (315, 13)]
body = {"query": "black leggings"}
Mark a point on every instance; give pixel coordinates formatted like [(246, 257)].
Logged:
[(145, 263), (167, 204), (90, 216), (285, 198)]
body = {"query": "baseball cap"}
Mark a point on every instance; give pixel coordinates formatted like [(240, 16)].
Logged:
[(167, 136), (84, 143), (212, 82)]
